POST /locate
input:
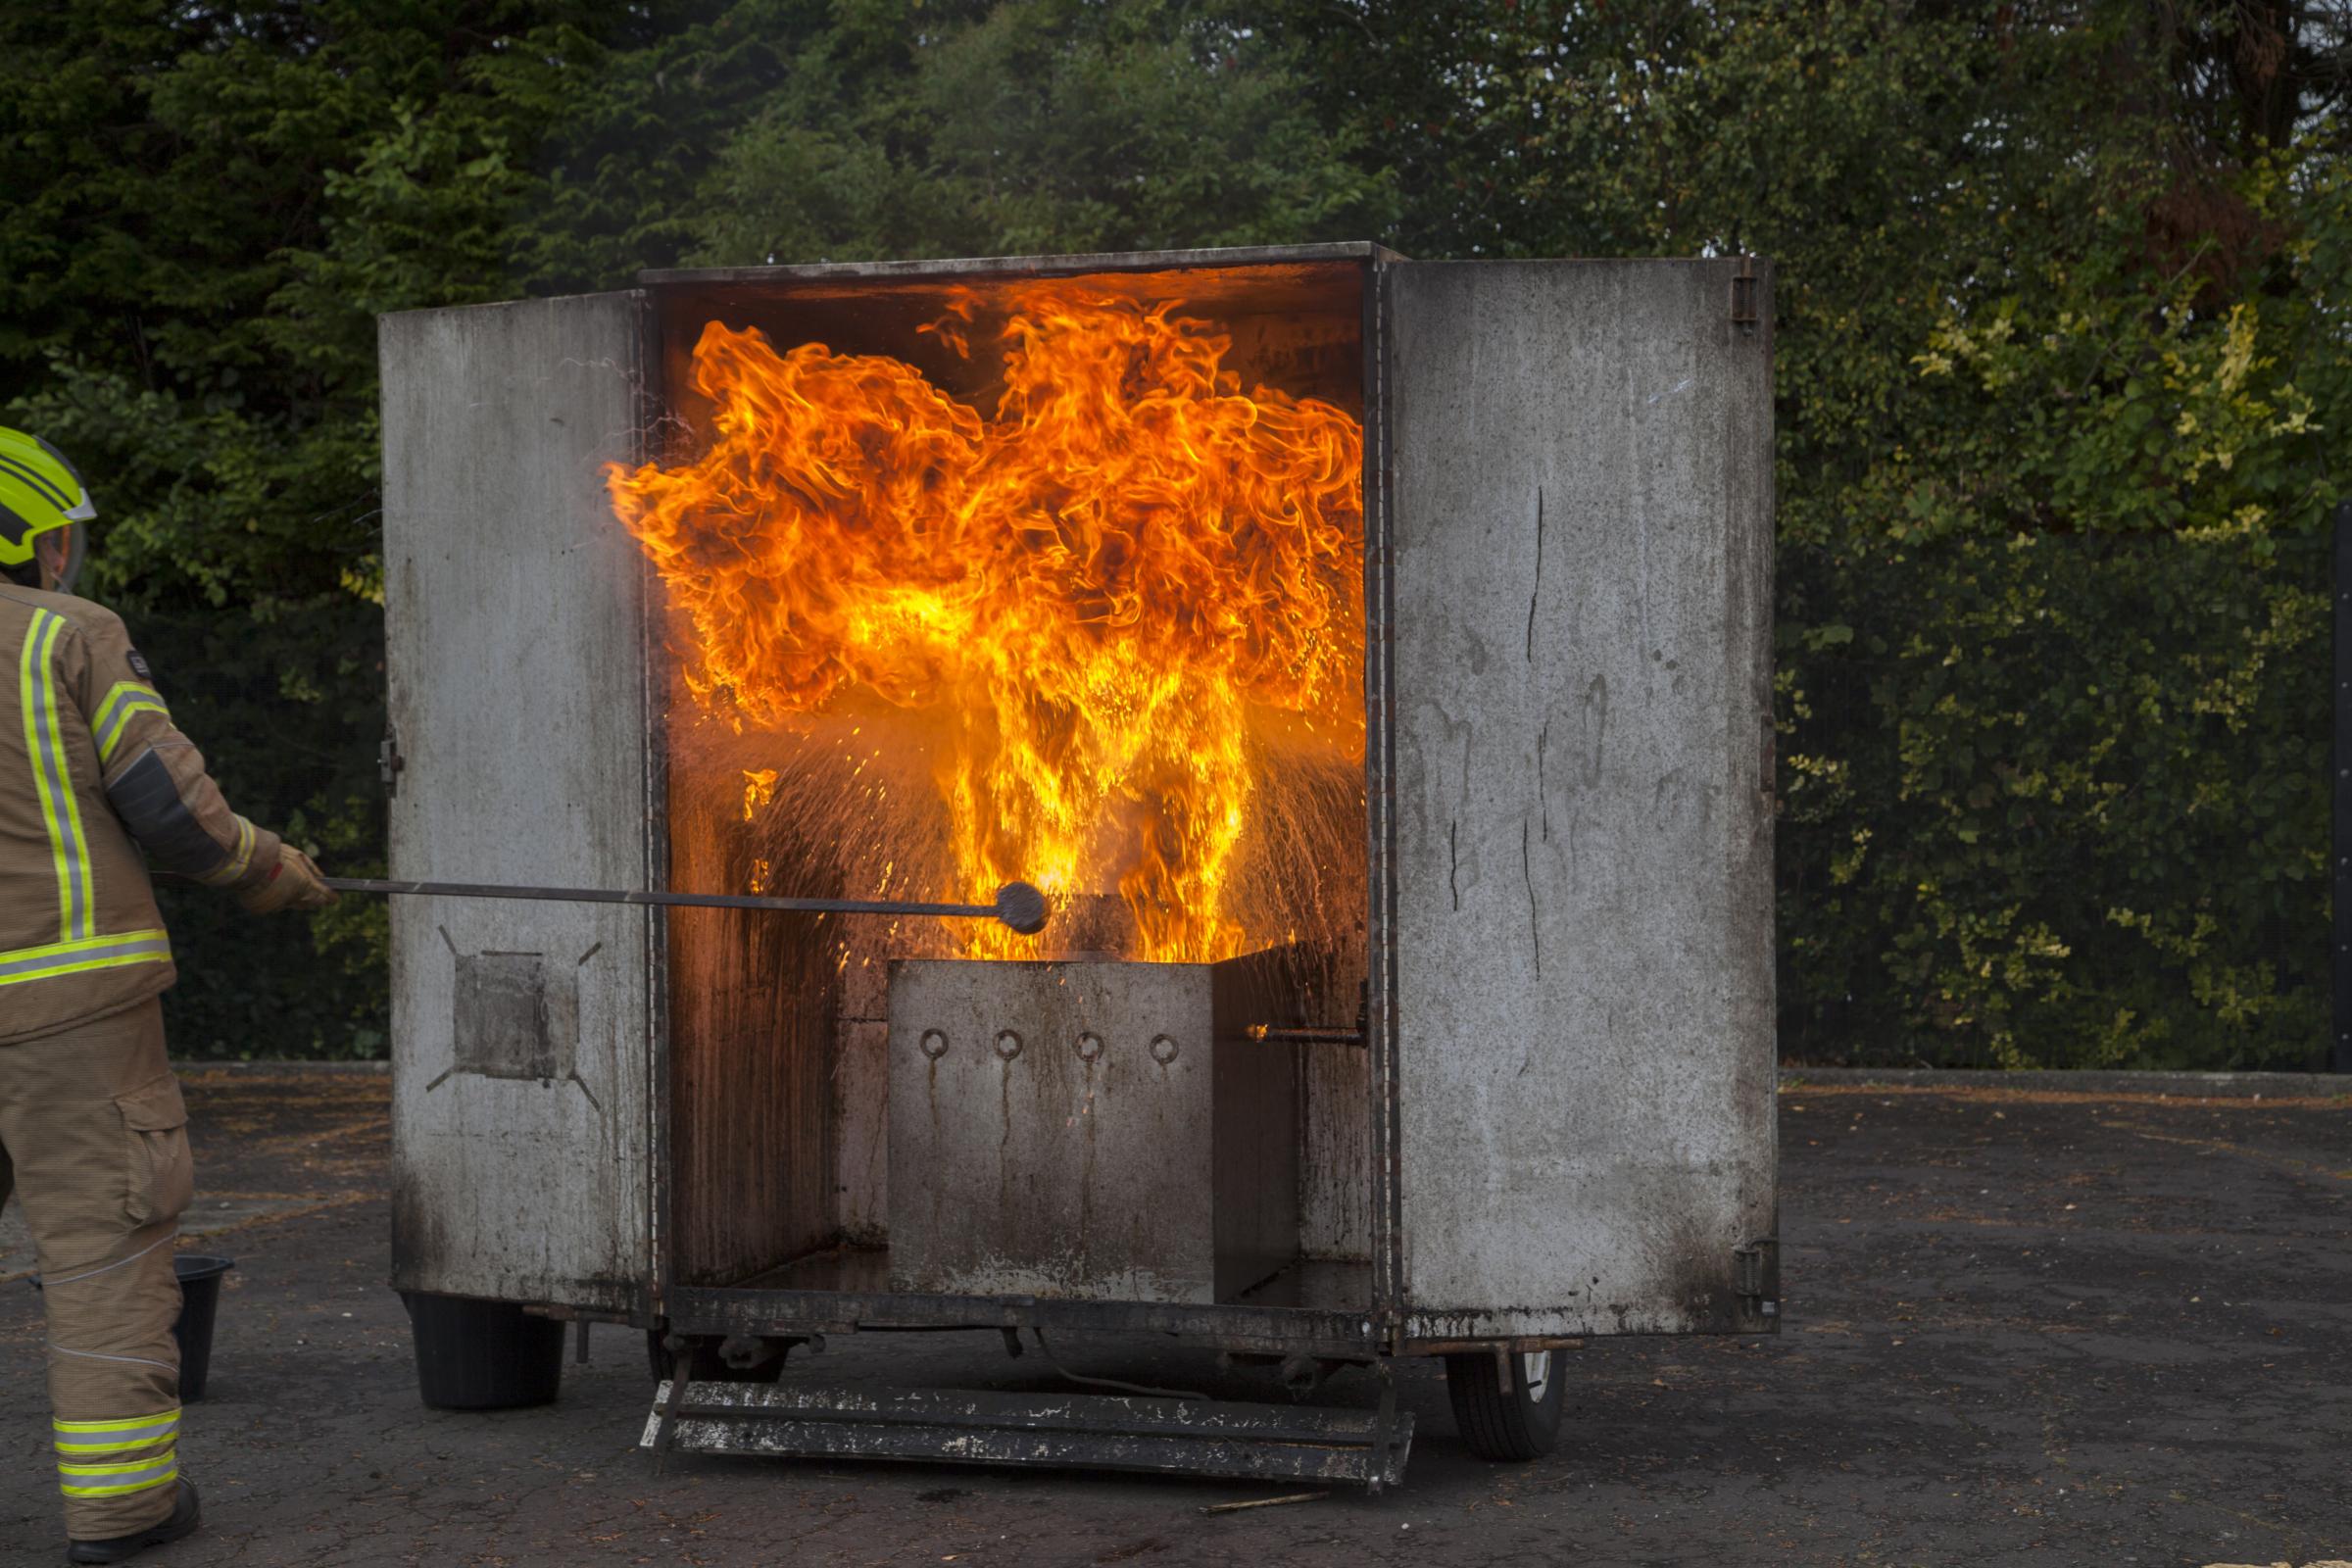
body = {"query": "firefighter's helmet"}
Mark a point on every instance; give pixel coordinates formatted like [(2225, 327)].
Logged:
[(43, 508)]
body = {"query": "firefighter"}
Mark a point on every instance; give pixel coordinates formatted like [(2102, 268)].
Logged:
[(93, 1138)]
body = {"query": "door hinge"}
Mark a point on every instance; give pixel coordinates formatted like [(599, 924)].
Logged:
[(389, 761), (1752, 1273), (1746, 291)]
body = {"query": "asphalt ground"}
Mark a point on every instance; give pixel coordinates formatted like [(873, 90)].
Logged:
[(2022, 1326)]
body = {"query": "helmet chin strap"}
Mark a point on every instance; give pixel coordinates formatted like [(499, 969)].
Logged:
[(59, 554)]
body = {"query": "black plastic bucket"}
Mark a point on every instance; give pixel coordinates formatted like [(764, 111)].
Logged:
[(483, 1355), (199, 1305)]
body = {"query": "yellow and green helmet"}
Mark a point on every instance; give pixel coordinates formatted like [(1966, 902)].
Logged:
[(43, 508)]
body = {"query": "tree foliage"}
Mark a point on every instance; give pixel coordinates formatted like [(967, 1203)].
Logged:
[(2061, 342), (209, 203)]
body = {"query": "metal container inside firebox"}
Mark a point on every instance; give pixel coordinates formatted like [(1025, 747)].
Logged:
[(1142, 1147), (1533, 1096)]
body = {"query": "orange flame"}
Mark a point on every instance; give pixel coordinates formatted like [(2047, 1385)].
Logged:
[(759, 788), (1097, 590)]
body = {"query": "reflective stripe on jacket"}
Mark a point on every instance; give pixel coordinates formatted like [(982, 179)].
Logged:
[(92, 773)]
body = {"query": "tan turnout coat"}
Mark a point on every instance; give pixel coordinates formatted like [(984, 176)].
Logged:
[(95, 784)]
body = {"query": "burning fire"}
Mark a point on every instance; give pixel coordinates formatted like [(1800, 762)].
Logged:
[(759, 788), (1096, 593)]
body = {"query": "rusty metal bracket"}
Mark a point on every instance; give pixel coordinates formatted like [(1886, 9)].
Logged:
[(1746, 293), (1515, 1344), (1303, 1034), (389, 762), (1390, 1442), (674, 1401), (1756, 1280)]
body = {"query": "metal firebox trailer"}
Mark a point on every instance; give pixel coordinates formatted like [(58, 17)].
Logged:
[(1527, 1101)]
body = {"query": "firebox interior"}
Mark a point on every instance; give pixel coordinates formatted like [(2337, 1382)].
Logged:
[(781, 1034)]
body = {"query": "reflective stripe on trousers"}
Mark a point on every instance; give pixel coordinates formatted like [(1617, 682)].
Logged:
[(93, 1142), (115, 1458)]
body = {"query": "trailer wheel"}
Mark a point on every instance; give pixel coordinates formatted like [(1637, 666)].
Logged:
[(1518, 1422), (706, 1365)]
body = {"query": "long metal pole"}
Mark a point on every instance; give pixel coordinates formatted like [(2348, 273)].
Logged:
[(2341, 950), (1019, 904)]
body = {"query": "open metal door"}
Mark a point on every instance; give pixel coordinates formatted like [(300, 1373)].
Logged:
[(1578, 907), (522, 1036)]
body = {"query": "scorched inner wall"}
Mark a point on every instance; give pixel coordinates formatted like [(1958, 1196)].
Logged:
[(778, 1027)]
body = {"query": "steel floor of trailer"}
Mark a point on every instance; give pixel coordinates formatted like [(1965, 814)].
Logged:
[(1323, 1285), (2024, 1328)]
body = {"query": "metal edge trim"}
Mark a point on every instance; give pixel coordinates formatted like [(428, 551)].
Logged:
[(1028, 265), (1514, 1346), (1389, 1284), (653, 687), (717, 1307)]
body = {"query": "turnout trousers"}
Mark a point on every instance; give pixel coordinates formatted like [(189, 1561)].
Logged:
[(94, 1141)]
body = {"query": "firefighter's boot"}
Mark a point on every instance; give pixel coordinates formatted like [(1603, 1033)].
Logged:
[(186, 1513)]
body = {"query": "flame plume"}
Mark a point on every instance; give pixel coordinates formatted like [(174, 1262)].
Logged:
[(1096, 593)]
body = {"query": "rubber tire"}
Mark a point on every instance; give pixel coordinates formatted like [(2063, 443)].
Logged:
[(1506, 1426), (474, 1354), (707, 1367)]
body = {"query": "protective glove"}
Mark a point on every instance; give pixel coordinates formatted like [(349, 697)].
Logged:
[(294, 883)]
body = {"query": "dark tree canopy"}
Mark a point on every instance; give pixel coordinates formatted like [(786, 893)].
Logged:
[(2062, 342)]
